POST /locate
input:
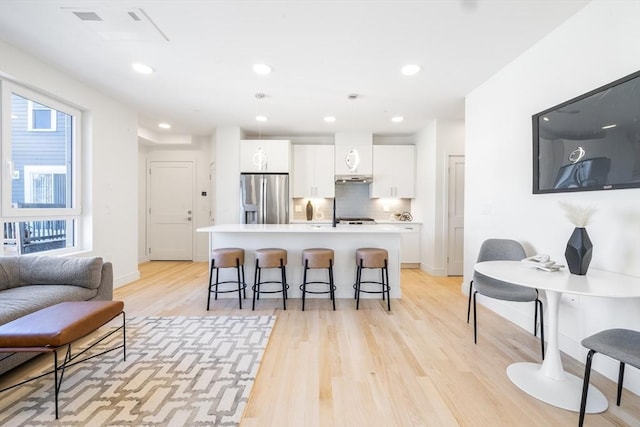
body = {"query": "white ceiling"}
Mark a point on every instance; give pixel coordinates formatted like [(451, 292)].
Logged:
[(320, 52)]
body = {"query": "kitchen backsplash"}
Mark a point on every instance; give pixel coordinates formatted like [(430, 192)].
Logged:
[(352, 200)]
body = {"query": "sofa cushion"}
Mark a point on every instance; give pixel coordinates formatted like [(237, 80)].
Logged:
[(46, 270), (9, 272), (17, 302)]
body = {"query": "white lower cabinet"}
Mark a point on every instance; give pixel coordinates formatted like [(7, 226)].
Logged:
[(409, 243)]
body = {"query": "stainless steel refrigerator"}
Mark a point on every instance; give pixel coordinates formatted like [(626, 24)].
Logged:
[(264, 198)]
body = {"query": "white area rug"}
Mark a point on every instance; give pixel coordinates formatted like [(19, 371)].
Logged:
[(180, 371)]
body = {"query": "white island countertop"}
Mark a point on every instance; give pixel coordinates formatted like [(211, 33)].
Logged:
[(301, 228), (294, 238)]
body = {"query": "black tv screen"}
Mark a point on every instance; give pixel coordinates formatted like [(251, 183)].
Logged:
[(591, 142)]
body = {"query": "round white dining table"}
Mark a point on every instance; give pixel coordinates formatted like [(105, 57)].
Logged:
[(548, 381)]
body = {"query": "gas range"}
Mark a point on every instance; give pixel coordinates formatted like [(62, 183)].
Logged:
[(356, 221)]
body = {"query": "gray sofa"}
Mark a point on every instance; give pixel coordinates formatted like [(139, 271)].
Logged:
[(31, 283)]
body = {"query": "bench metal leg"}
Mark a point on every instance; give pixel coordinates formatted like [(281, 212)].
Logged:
[(69, 360)]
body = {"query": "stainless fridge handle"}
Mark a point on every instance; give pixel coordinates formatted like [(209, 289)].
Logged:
[(263, 199)]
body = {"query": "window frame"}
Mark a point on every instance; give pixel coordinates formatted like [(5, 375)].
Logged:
[(8, 212)]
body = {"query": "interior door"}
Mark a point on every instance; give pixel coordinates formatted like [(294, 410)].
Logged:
[(170, 216), (455, 217)]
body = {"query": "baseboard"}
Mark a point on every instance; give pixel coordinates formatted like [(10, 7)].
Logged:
[(410, 265), (126, 279), (439, 272)]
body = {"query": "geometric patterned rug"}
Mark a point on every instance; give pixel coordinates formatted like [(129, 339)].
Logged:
[(180, 371)]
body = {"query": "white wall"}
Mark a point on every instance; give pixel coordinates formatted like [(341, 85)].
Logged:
[(601, 43), (110, 152), (227, 160), (434, 144)]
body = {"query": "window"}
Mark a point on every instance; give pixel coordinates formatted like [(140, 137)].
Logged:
[(40, 204), (40, 118)]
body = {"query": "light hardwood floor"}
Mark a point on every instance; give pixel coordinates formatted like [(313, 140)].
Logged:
[(414, 366)]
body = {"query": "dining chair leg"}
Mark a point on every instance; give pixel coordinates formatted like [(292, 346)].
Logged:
[(541, 326), (469, 302), (535, 319), (620, 380), (585, 387), (475, 325)]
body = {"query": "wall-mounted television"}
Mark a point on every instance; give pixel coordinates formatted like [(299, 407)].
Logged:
[(591, 142)]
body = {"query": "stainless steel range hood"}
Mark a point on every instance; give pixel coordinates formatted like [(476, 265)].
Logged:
[(356, 179)]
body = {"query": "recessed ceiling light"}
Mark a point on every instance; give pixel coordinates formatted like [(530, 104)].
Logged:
[(262, 69), (397, 119), (410, 69), (261, 118), (609, 126), (164, 125), (142, 68), (329, 119)]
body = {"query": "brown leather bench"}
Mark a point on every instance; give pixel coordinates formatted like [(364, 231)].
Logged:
[(58, 326)]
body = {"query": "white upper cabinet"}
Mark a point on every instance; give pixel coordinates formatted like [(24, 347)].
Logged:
[(353, 153), (313, 171), (394, 171), (264, 155)]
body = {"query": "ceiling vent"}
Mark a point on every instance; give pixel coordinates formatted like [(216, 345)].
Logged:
[(119, 24), (88, 16)]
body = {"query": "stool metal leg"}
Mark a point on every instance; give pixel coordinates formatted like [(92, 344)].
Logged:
[(388, 288), (284, 284), (239, 283), (244, 283), (358, 279), (256, 285), (216, 284), (382, 283), (210, 285), (331, 286), (304, 282)]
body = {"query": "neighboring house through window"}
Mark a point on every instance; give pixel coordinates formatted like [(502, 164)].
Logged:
[(40, 118), (40, 175)]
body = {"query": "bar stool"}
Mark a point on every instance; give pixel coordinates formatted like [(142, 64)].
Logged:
[(372, 258), (227, 258), (318, 258), (270, 258)]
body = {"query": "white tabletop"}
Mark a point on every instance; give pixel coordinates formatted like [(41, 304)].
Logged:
[(595, 283)]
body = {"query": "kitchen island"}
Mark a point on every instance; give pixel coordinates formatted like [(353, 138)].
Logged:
[(343, 239)]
